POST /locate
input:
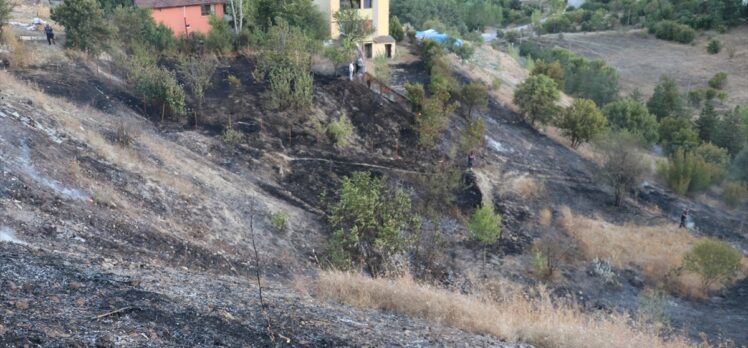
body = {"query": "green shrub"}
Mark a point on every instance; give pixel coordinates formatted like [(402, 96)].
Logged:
[(232, 136), (279, 220), (6, 7), (714, 46), (474, 96), (341, 131), (718, 81), (714, 261), (134, 25), (220, 38), (370, 222), (552, 70), (739, 167), (666, 99), (485, 227), (433, 120), (688, 173), (473, 137), (496, 84), (416, 94), (536, 98), (234, 81), (673, 31), (734, 193), (632, 116), (722, 96), (582, 122), (677, 132), (396, 29), (85, 25), (696, 97)]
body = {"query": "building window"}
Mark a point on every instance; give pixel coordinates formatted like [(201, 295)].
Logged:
[(369, 25), (367, 3), (206, 10), (368, 50), (356, 4)]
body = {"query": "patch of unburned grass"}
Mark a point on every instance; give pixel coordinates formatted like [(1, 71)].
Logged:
[(656, 250), (515, 316)]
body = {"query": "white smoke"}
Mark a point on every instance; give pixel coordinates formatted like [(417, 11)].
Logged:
[(8, 235), (28, 168)]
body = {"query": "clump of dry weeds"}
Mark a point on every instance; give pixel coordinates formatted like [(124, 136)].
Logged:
[(517, 316)]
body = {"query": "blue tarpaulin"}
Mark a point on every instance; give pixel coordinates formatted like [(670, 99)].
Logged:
[(434, 35)]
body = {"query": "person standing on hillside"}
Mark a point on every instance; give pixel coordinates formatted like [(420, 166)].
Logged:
[(471, 160), (50, 34), (683, 218), (351, 71)]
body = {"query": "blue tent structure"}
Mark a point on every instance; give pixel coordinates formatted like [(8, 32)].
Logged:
[(434, 35)]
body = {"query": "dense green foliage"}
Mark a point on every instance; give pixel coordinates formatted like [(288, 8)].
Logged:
[(301, 14), (734, 193), (416, 94), (341, 131), (739, 168), (677, 132), (285, 61), (396, 29), (474, 95), (552, 70), (370, 222), (85, 25), (666, 99), (536, 98), (632, 116), (673, 31), (698, 14), (582, 122), (464, 15), (590, 79), (220, 38), (718, 81), (687, 172), (714, 46), (716, 262), (135, 26)]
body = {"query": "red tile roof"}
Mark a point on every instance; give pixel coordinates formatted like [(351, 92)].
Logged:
[(174, 3)]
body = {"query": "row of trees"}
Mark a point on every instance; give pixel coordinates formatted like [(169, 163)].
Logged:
[(701, 152)]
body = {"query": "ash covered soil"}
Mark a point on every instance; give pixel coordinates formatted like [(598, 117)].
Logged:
[(159, 229)]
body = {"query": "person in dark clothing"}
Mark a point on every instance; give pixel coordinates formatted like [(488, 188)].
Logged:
[(471, 160), (50, 34), (683, 218)]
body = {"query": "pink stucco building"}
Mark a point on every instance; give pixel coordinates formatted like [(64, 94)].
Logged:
[(184, 16)]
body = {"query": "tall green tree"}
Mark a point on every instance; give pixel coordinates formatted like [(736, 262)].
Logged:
[(197, 73), (85, 25), (582, 122), (370, 222), (632, 116), (485, 227), (396, 29), (536, 98), (707, 123), (666, 100), (474, 95)]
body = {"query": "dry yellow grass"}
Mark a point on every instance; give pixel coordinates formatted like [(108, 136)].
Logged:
[(515, 317), (523, 185), (656, 250)]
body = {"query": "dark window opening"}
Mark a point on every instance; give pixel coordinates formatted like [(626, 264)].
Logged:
[(388, 50), (206, 10), (367, 3), (369, 50), (350, 4)]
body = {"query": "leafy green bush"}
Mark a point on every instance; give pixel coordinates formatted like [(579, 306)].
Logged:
[(396, 29), (220, 38), (739, 168), (536, 98), (707, 123), (677, 132), (632, 116), (718, 81), (279, 220), (6, 7), (582, 122), (433, 120), (485, 227), (416, 94), (136, 26), (341, 131), (85, 27), (232, 136), (666, 99), (733, 193), (714, 261), (370, 222), (674, 31), (714, 46), (473, 137), (474, 95), (552, 70), (688, 173)]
